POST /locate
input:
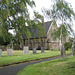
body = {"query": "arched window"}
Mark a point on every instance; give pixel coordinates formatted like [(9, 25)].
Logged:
[(53, 38)]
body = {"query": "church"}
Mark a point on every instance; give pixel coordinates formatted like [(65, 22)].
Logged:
[(47, 41)]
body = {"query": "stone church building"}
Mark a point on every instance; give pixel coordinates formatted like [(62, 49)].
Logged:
[(47, 41)]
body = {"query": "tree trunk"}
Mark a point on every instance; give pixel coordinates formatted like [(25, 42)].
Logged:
[(62, 49), (73, 49), (42, 46), (24, 42), (34, 47), (41, 42)]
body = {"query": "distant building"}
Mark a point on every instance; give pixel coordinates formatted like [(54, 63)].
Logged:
[(47, 40)]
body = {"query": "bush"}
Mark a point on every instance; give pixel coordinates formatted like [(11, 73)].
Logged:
[(68, 45)]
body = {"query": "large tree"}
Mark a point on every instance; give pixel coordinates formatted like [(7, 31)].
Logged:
[(62, 13), (14, 14)]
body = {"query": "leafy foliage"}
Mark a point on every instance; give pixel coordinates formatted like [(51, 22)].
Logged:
[(71, 39), (57, 32), (63, 14), (6, 40), (68, 45), (14, 14)]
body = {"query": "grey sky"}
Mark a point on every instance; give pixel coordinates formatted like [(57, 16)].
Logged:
[(47, 4)]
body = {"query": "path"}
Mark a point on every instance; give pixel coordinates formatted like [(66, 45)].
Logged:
[(14, 69)]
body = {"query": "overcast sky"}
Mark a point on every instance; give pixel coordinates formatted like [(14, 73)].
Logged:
[(47, 4)]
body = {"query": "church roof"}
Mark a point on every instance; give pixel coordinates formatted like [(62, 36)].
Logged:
[(46, 27)]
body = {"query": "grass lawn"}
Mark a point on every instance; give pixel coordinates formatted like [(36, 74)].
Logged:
[(54, 67), (20, 57)]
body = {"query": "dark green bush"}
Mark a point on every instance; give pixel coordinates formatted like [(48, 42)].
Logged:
[(68, 45)]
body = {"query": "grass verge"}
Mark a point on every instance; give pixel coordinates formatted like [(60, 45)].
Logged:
[(54, 67), (20, 57)]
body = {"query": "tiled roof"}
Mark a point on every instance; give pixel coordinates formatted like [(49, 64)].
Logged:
[(46, 26)]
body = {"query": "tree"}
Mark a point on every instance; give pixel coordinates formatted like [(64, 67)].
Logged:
[(14, 14), (62, 12), (5, 37), (5, 41)]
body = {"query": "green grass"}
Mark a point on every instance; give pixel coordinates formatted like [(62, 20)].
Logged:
[(20, 57), (54, 67)]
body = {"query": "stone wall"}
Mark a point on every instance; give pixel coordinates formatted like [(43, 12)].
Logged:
[(46, 44)]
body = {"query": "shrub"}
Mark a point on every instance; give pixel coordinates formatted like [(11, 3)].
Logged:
[(68, 45)]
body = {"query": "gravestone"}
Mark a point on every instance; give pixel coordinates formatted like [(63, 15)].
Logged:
[(73, 49), (10, 52), (34, 50), (0, 52), (26, 49), (42, 49)]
